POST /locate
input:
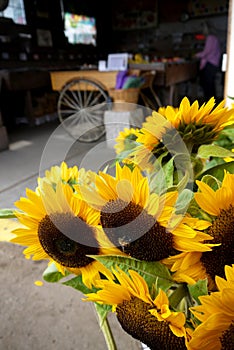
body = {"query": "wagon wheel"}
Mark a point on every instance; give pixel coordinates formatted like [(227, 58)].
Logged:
[(81, 106), (147, 92)]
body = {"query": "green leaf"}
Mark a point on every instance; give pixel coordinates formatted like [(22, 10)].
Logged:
[(168, 169), (7, 214), (185, 180), (211, 181), (228, 132), (130, 144), (165, 177), (78, 284), (160, 283), (157, 182), (179, 293), (125, 154), (52, 275), (212, 163), (195, 211), (226, 138), (199, 165), (179, 186), (150, 271), (218, 171), (206, 151), (198, 289), (183, 201)]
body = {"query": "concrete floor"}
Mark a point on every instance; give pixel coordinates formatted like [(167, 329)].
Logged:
[(51, 317)]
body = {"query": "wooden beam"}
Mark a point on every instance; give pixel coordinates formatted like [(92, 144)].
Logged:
[(229, 81)]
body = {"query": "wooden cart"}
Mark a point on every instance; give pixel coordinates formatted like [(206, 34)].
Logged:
[(85, 94), (83, 97)]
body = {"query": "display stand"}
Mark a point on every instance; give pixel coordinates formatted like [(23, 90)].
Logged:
[(117, 120)]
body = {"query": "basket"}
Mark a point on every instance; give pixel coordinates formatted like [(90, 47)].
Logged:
[(124, 99), (130, 95)]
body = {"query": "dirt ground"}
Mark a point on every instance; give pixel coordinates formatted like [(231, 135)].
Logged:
[(51, 317)]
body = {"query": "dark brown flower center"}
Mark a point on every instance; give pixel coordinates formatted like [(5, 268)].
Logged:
[(132, 229), (222, 230), (136, 320), (227, 339), (69, 253)]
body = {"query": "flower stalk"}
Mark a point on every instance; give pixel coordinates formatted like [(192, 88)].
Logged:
[(106, 330)]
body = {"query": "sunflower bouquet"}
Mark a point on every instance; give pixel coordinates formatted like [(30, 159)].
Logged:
[(153, 242)]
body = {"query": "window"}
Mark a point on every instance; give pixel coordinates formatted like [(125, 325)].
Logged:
[(80, 29), (15, 10)]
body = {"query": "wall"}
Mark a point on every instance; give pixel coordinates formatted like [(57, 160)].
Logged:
[(39, 47), (156, 29), (170, 38), (42, 41)]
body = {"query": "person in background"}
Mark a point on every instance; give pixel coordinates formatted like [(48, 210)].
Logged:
[(210, 58)]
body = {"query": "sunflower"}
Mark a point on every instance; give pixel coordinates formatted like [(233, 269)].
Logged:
[(141, 157), (196, 125), (70, 175), (141, 224), (151, 145), (62, 172), (144, 155), (147, 139), (125, 139), (162, 110), (186, 267), (151, 137), (216, 314), (219, 205), (62, 229), (150, 321), (161, 142)]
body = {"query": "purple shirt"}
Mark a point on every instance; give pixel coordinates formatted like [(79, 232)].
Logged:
[(211, 52)]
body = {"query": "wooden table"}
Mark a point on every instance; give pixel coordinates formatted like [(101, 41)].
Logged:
[(107, 78), (169, 74)]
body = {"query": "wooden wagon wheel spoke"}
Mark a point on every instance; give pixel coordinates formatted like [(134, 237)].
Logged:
[(94, 102), (81, 109), (77, 96)]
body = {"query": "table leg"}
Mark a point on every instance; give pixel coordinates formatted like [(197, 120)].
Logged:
[(28, 108)]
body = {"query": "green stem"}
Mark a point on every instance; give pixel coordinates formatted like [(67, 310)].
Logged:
[(106, 330)]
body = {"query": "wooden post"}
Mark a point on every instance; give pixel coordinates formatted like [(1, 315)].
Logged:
[(229, 81), (4, 142)]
